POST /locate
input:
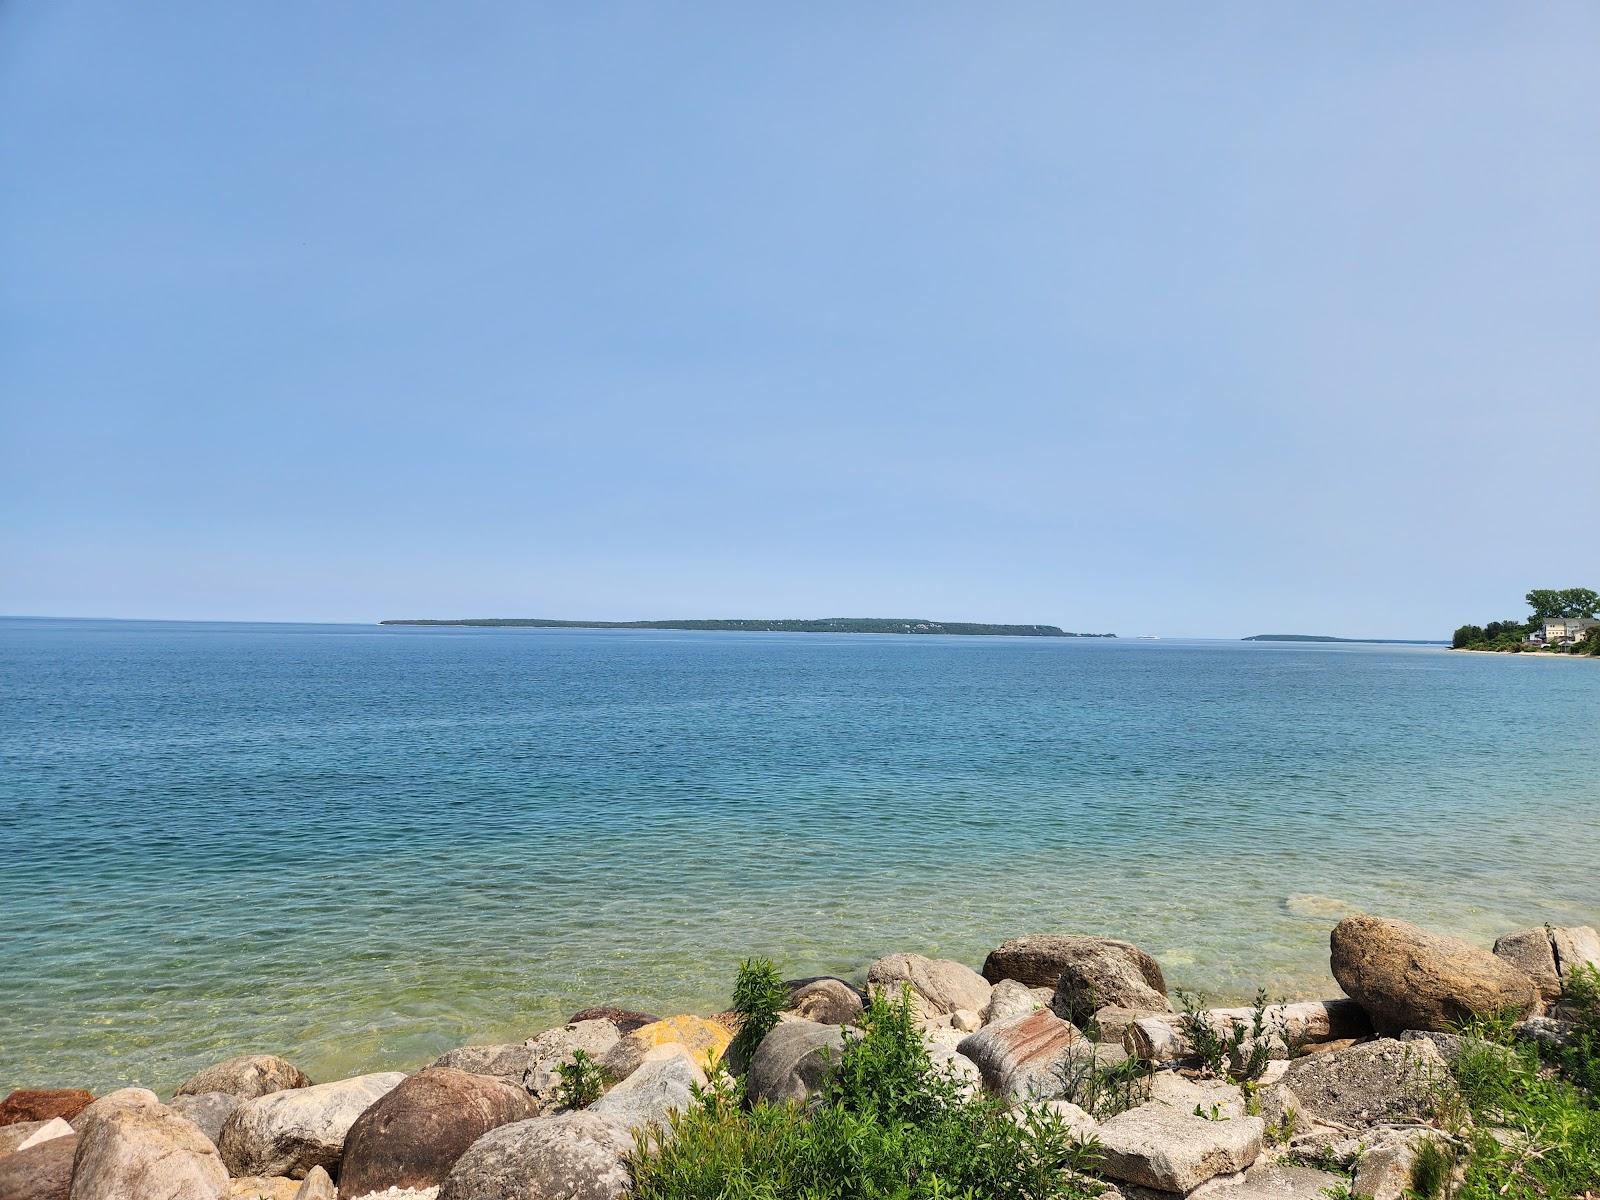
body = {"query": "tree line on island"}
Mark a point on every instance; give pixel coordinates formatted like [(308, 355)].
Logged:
[(1561, 621), (906, 625)]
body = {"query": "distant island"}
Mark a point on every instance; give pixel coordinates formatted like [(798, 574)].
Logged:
[(1320, 637), (911, 625)]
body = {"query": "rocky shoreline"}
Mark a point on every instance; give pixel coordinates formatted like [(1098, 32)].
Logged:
[(1275, 1100)]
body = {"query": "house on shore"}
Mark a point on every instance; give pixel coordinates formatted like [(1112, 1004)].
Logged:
[(1568, 629)]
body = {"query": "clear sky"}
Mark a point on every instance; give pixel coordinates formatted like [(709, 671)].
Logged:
[(1159, 318)]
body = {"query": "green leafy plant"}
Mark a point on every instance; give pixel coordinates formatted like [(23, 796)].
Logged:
[(1213, 1113), (582, 1081), (888, 1125), (759, 996), (1104, 1091), (1208, 1045)]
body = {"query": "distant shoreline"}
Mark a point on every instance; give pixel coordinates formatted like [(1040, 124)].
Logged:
[(912, 626), (1322, 638)]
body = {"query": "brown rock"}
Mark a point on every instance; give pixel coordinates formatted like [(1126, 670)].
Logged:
[(625, 1019), (262, 1187), (825, 1000), (1409, 978), (248, 1076), (1087, 973), (413, 1136), (41, 1172), (43, 1104)]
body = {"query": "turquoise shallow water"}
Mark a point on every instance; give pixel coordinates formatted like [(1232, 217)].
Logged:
[(360, 846)]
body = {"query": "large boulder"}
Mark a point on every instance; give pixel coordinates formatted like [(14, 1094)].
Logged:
[(664, 1084), (289, 1132), (1550, 954), (146, 1152), (508, 1062), (1086, 972), (1022, 1058), (1409, 978), (1577, 946), (554, 1048), (247, 1076), (209, 1110), (573, 1156), (112, 1102), (1533, 952), (41, 1172), (793, 1062), (625, 1019), (703, 1040), (412, 1136), (1377, 1081), (938, 985), (825, 1000), (1164, 1148), (43, 1104)]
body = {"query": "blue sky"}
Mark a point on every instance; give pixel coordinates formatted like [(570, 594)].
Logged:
[(1172, 318)]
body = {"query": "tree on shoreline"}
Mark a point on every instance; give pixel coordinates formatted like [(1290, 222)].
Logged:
[(1554, 603)]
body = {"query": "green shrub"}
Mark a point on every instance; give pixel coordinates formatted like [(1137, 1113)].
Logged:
[(582, 1081), (889, 1125), (758, 997), (1548, 1127)]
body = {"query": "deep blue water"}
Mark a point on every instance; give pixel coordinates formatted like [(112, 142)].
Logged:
[(358, 846)]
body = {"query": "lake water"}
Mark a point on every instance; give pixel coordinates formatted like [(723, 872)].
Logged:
[(359, 846)]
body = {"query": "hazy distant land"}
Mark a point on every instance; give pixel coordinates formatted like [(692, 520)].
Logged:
[(912, 625), (1320, 637)]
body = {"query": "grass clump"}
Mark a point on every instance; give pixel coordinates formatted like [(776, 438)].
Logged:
[(889, 1125), (1104, 1091), (1521, 1130), (759, 996), (582, 1081)]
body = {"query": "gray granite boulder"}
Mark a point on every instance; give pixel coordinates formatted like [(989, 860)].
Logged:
[(209, 1110), (573, 1156), (289, 1132), (1409, 978), (938, 986), (663, 1085), (247, 1076), (413, 1134), (793, 1062), (1367, 1084), (146, 1152)]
